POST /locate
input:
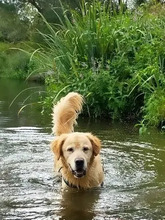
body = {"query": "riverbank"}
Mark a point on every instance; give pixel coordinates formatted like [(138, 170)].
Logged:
[(13, 61), (115, 60)]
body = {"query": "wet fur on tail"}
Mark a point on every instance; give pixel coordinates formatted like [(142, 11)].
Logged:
[(65, 113)]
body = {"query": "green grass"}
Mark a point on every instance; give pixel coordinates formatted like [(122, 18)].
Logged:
[(115, 60)]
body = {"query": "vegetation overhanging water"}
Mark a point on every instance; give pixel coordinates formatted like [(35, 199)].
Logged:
[(111, 54)]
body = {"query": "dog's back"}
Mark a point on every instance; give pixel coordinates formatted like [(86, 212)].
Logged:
[(65, 113)]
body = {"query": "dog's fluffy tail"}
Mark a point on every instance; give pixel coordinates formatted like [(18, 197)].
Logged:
[(65, 113)]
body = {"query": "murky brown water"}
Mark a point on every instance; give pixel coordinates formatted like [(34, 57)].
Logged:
[(134, 185)]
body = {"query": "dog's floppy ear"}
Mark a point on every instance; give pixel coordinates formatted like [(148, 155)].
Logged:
[(96, 143), (57, 144)]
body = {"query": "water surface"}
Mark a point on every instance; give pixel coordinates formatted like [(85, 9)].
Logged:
[(134, 186)]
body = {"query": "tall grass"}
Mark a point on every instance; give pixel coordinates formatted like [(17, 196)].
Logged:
[(116, 60)]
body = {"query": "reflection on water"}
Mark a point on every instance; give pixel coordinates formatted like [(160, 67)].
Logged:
[(19, 95), (78, 204), (134, 186)]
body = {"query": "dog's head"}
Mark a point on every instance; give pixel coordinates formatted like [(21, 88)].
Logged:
[(77, 150)]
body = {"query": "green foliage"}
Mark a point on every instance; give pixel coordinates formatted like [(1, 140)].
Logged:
[(116, 60), (14, 62), (154, 108), (12, 28)]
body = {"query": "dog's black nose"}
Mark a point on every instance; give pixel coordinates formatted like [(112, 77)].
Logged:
[(79, 163)]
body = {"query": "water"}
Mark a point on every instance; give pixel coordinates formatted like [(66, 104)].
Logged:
[(134, 186)]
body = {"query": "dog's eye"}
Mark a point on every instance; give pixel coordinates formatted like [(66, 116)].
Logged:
[(70, 149), (85, 149)]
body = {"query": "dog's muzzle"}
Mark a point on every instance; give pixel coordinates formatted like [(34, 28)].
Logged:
[(79, 171)]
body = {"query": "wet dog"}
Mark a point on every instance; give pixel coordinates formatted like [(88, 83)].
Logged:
[(76, 154)]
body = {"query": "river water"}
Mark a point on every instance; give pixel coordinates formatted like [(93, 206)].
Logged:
[(134, 186)]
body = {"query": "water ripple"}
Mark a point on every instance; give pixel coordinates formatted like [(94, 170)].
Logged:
[(134, 185)]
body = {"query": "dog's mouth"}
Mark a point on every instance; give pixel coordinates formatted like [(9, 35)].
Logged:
[(78, 173)]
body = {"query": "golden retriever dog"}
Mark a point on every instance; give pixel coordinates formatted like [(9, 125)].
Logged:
[(76, 154)]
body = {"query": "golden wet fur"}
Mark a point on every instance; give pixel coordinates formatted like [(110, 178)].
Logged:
[(76, 154)]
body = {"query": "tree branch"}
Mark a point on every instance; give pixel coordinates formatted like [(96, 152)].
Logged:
[(34, 3)]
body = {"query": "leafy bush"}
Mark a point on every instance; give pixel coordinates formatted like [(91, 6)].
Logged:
[(14, 62), (155, 108), (116, 60)]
